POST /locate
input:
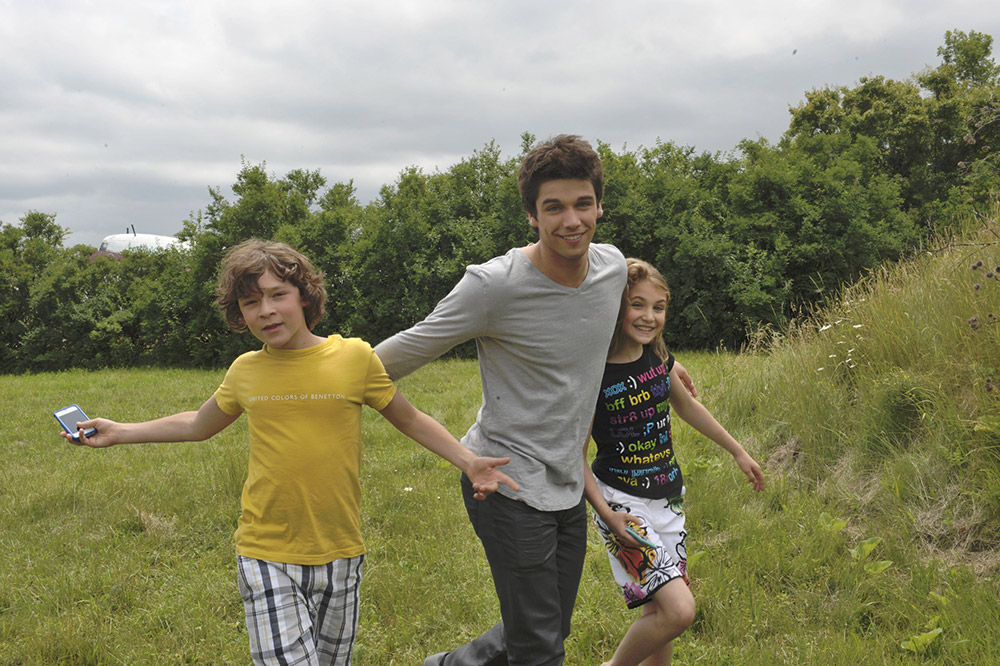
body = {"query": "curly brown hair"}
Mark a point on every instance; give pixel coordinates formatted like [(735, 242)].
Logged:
[(244, 264), (639, 270), (563, 156)]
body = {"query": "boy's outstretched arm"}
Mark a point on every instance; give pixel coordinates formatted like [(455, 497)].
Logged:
[(698, 417), (421, 428), (193, 426)]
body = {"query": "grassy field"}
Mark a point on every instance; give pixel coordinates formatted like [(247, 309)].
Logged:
[(876, 542)]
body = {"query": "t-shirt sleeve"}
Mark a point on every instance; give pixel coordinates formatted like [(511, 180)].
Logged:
[(225, 395), (458, 317), (379, 389)]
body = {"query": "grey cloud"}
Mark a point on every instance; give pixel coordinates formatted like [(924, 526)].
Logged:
[(128, 112)]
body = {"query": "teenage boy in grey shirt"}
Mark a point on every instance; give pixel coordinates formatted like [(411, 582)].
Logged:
[(542, 317)]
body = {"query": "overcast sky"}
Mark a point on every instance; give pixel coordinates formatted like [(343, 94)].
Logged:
[(122, 112)]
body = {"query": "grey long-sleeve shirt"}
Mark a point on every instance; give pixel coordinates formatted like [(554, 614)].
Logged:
[(542, 348)]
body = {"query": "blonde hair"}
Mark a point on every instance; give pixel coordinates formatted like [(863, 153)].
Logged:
[(638, 271), (245, 263)]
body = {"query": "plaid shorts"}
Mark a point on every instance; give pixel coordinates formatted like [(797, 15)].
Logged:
[(641, 570), (299, 614)]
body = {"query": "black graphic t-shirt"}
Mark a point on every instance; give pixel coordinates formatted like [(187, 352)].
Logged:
[(635, 450)]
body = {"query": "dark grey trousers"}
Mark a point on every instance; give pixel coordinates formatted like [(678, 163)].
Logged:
[(536, 558)]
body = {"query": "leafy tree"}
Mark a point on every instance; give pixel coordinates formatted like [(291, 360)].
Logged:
[(423, 231), (157, 288), (662, 204), (25, 251), (263, 204), (965, 90), (933, 132), (265, 207), (968, 55), (327, 237), (389, 262), (745, 239), (69, 310), (821, 213)]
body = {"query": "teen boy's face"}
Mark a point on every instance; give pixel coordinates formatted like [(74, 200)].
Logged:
[(275, 314), (567, 216)]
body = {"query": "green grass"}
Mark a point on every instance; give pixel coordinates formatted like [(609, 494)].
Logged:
[(121, 556), (875, 542)]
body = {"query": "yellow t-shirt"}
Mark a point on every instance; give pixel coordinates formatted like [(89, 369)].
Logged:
[(301, 502)]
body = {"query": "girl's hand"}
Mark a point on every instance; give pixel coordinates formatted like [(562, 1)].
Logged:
[(618, 522), (752, 470)]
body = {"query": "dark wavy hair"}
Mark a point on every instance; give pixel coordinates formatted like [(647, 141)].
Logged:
[(639, 270), (245, 263), (563, 156)]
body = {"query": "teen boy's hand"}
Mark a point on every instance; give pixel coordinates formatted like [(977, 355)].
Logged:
[(433, 436), (685, 378)]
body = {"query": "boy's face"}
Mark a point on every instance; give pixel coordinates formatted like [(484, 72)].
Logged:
[(275, 314), (567, 216)]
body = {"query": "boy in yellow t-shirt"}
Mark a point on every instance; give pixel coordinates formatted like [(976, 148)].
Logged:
[(298, 541)]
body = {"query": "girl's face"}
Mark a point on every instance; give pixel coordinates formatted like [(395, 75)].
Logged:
[(645, 313)]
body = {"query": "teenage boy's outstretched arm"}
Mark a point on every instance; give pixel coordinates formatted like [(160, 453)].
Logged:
[(192, 426), (483, 472), (685, 379), (458, 317)]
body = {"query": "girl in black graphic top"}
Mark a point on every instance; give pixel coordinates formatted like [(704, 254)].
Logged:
[(635, 482)]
